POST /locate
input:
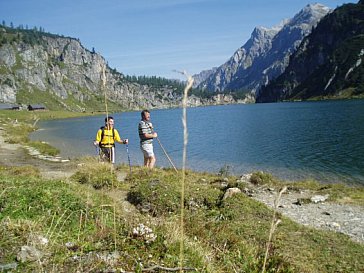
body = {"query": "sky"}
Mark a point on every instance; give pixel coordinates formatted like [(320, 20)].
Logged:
[(156, 37)]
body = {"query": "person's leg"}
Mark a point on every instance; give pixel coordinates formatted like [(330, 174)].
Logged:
[(152, 161), (112, 155), (105, 154), (145, 161), (149, 158), (145, 154)]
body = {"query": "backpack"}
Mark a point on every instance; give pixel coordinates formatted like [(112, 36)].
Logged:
[(103, 133)]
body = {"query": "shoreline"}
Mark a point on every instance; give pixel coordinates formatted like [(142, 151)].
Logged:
[(286, 164), (342, 218)]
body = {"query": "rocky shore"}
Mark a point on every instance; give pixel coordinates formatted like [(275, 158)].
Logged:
[(317, 213)]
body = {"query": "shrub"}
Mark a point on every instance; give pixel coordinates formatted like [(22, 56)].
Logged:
[(98, 175), (261, 178)]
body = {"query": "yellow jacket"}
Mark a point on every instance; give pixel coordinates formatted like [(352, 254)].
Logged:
[(109, 136)]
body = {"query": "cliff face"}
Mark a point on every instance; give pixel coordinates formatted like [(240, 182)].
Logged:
[(61, 73), (243, 59), (265, 55), (219, 78), (328, 63)]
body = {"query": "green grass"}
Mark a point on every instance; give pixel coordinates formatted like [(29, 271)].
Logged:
[(44, 148), (97, 175), (58, 211), (69, 212), (219, 235), (91, 102), (235, 231), (161, 190)]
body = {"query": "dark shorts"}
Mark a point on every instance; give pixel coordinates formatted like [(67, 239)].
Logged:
[(107, 154)]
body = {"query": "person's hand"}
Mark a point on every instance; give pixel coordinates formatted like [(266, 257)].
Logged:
[(126, 141), (96, 143), (155, 134)]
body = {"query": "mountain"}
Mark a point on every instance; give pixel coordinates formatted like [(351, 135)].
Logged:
[(202, 76), (328, 63), (217, 79), (265, 55), (57, 71)]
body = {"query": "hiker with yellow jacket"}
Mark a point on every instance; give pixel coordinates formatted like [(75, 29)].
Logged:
[(105, 138)]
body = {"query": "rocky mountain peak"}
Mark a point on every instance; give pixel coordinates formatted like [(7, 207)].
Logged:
[(265, 55), (310, 14), (327, 64), (261, 32)]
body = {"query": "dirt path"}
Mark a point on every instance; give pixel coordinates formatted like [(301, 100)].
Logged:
[(18, 155)]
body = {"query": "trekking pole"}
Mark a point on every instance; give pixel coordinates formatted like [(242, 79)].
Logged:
[(169, 159), (127, 151), (97, 151)]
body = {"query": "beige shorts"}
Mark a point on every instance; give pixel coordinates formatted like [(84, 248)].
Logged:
[(147, 149)]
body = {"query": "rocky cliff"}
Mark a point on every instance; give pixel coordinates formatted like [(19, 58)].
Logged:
[(265, 55), (59, 72), (328, 63)]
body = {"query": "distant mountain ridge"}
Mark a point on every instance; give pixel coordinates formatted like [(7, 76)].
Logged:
[(265, 55), (57, 71), (329, 62)]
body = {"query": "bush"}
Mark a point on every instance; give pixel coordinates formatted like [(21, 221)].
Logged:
[(261, 178), (160, 192), (98, 175)]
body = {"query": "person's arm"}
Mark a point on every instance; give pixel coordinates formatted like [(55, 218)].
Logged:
[(118, 139), (98, 138), (149, 127), (152, 135)]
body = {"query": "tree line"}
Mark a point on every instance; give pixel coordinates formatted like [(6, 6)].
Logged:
[(176, 85)]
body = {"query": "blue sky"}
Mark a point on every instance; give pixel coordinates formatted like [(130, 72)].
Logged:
[(156, 37)]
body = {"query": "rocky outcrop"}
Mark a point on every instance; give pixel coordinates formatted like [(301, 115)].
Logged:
[(61, 73), (202, 76), (219, 78)]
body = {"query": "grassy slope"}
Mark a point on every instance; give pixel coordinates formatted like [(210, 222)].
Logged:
[(219, 235)]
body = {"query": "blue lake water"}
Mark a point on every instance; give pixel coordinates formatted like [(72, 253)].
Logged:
[(320, 140)]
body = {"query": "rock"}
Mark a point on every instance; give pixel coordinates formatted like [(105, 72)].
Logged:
[(4, 267), (326, 213), (109, 258), (29, 253), (302, 201), (245, 177), (39, 240), (334, 225), (224, 184), (319, 198), (230, 192), (71, 246)]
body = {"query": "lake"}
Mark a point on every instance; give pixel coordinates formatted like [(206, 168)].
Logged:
[(294, 140)]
